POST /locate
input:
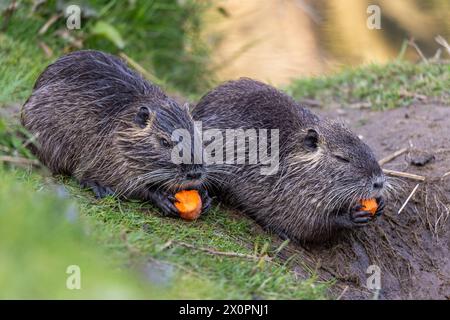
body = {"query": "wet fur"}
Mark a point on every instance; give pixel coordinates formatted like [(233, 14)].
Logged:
[(83, 113), (311, 195)]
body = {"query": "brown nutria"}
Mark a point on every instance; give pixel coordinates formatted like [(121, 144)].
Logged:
[(324, 169), (97, 120)]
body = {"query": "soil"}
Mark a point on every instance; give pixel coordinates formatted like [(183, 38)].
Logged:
[(412, 248)]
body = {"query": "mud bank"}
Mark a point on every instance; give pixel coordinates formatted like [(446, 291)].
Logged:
[(412, 248)]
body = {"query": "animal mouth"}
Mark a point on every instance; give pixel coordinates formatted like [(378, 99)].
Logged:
[(187, 185), (191, 185), (192, 180)]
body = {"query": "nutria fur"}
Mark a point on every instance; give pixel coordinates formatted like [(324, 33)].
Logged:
[(324, 169), (97, 120)]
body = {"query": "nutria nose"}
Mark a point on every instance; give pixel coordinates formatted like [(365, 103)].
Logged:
[(378, 183), (193, 175)]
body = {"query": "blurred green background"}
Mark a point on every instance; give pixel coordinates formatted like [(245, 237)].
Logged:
[(125, 249), (277, 41)]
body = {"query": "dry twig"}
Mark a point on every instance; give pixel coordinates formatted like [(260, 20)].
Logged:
[(47, 50), (392, 156), (445, 175), (342, 293), (440, 39), (404, 175), (223, 253), (413, 44), (139, 68), (19, 161), (49, 23), (409, 198)]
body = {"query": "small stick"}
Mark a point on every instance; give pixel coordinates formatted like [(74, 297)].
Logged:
[(222, 253), (407, 199), (342, 293), (445, 174), (413, 44), (36, 5), (404, 175), (47, 50), (437, 55), (19, 161), (392, 156), (49, 23), (166, 245), (139, 68), (440, 39)]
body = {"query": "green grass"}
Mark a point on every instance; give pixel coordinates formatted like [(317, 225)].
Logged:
[(129, 238), (378, 86), (135, 231), (20, 64), (43, 232), (161, 35), (121, 247)]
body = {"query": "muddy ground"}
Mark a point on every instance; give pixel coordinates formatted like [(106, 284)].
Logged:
[(411, 248)]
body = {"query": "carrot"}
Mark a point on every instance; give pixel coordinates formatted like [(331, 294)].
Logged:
[(369, 205), (189, 204)]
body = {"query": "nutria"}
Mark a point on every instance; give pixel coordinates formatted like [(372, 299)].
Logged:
[(97, 120), (324, 169)]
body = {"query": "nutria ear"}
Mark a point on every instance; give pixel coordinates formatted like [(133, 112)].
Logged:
[(143, 116), (311, 140)]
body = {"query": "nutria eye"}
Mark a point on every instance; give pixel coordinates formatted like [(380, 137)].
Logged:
[(164, 142), (341, 158)]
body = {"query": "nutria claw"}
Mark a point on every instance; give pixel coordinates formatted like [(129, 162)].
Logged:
[(381, 204), (360, 218), (99, 190), (164, 201), (206, 200)]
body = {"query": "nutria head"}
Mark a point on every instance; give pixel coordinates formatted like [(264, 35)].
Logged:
[(146, 144), (334, 170)]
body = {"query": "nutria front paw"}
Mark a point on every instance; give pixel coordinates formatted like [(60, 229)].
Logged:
[(165, 202), (380, 206), (353, 219), (99, 190), (206, 201), (359, 217)]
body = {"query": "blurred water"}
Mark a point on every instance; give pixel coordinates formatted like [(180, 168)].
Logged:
[(277, 40)]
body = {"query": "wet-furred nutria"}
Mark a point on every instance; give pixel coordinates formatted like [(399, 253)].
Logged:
[(97, 120), (324, 169)]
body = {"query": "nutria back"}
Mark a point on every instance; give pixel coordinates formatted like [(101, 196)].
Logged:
[(97, 120), (324, 169)]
